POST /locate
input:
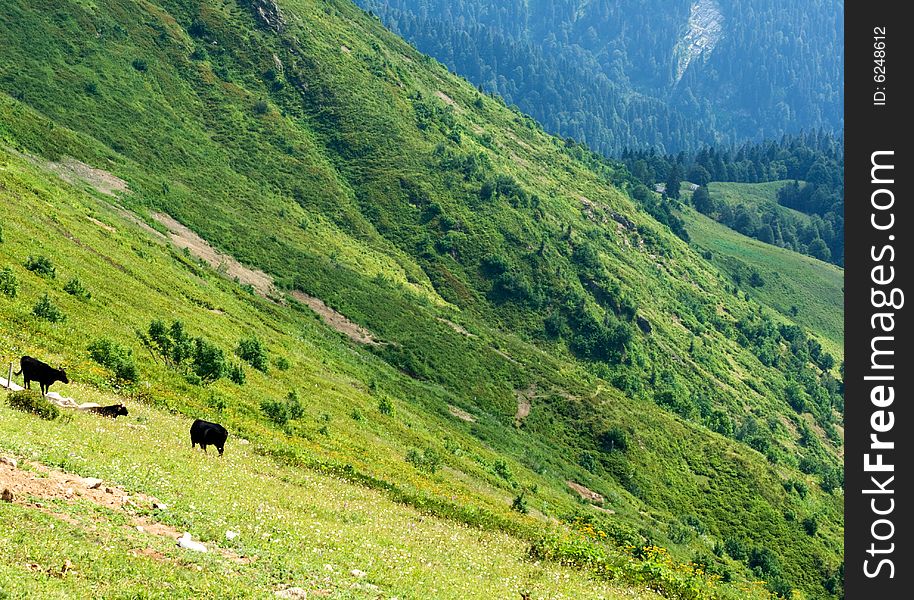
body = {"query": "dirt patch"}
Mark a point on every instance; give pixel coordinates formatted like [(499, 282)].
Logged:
[(456, 327), (183, 237), (36, 481), (104, 226), (74, 171), (524, 403), (586, 493), (335, 320), (30, 483), (461, 414), (446, 99), (505, 356)]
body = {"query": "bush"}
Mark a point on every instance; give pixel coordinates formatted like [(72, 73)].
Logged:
[(427, 460), (74, 287), (209, 361), (251, 350), (613, 439), (33, 402), (519, 504), (295, 408), (276, 411), (41, 265), (282, 363), (385, 406), (116, 357), (261, 107), (236, 374), (47, 310), (501, 468), (140, 65), (9, 284)]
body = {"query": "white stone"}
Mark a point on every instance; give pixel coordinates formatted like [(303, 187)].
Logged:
[(358, 573), (230, 535), (8, 460), (92, 482), (185, 541)]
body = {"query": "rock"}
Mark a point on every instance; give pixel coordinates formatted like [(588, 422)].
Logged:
[(7, 495), (92, 483), (243, 441), (140, 529), (296, 593), (186, 542), (8, 460), (160, 506), (230, 535), (110, 490), (358, 573)]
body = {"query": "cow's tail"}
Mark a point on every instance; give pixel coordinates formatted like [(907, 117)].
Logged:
[(19, 372)]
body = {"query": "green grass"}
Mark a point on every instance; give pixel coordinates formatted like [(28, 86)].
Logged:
[(301, 528), (348, 176), (814, 287)]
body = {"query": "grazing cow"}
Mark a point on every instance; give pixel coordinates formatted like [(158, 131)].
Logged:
[(33, 369), (112, 411), (208, 434)]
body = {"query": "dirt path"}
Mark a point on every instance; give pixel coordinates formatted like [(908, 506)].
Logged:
[(337, 321), (458, 328), (183, 237)]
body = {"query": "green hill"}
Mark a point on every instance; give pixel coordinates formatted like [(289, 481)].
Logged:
[(470, 317), (807, 291)]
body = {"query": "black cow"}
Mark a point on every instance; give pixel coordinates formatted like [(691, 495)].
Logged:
[(208, 434), (33, 369), (112, 411)]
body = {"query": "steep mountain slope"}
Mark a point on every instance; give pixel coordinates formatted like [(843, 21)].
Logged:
[(533, 327), (619, 74)]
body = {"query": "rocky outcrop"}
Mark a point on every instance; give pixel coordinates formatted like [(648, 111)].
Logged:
[(267, 13), (705, 30)]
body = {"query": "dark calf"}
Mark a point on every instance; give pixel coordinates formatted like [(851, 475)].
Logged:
[(208, 434), (112, 411), (33, 369)]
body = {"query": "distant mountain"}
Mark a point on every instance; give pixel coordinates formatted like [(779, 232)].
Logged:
[(671, 74)]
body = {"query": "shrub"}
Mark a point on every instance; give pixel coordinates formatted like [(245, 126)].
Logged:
[(501, 468), (519, 504), (282, 363), (140, 65), (209, 361), (276, 411), (236, 374), (47, 310), (356, 414), (613, 439), (116, 357), (41, 265), (9, 284), (385, 406), (261, 107), (295, 408), (33, 402), (427, 460), (251, 350), (74, 287)]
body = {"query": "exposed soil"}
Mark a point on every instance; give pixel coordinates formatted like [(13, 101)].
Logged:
[(74, 171), (104, 226), (31, 483), (447, 99), (524, 403), (461, 414), (586, 493), (459, 329), (183, 237), (337, 321)]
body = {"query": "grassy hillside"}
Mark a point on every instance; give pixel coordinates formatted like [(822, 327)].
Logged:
[(805, 290), (533, 326)]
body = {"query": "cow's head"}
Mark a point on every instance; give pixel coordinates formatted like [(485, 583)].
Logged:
[(121, 410), (63, 377)]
